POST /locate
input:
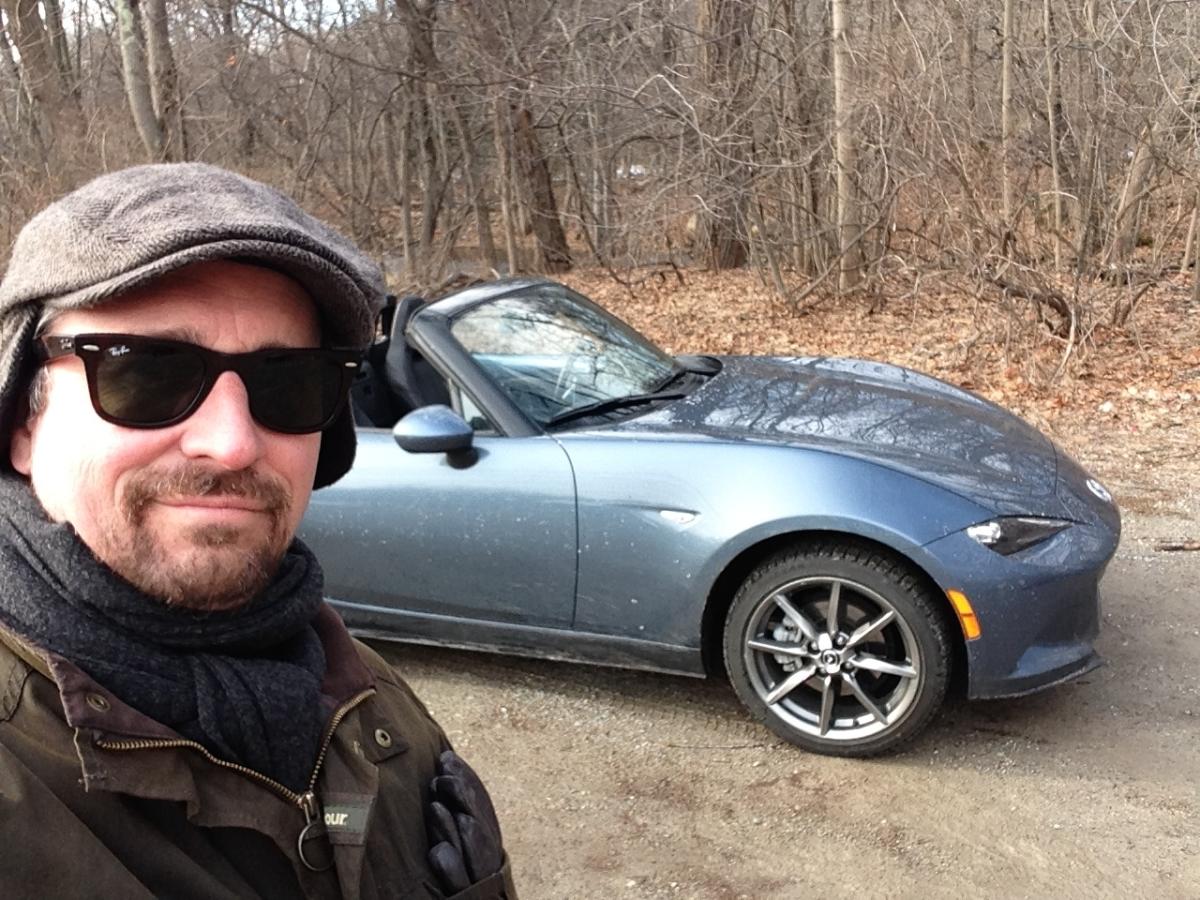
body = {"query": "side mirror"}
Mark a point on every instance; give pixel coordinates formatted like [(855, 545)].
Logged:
[(433, 429)]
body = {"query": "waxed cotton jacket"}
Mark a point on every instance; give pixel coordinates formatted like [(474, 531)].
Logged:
[(98, 800)]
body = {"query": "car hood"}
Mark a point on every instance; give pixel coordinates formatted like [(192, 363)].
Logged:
[(886, 414)]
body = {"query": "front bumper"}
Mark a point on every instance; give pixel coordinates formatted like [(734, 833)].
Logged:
[(1038, 610)]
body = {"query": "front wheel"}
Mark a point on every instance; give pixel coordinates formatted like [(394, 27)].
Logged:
[(838, 648)]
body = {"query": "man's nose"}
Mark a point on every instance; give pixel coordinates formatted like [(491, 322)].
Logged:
[(222, 429)]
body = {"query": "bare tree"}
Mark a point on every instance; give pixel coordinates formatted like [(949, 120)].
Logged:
[(846, 156), (41, 75), (164, 80), (1175, 112), (137, 78), (823, 144), (58, 45), (726, 61), (1006, 116)]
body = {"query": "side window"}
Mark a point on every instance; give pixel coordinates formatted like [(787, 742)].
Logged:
[(465, 407)]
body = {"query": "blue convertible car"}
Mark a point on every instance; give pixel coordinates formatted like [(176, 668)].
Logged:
[(841, 537)]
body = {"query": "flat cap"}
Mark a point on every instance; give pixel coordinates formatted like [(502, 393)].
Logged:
[(127, 228)]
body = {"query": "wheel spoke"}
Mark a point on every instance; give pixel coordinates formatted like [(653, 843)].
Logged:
[(792, 613), (777, 647), (835, 600), (865, 699), (885, 666), (827, 696), (789, 684), (861, 632)]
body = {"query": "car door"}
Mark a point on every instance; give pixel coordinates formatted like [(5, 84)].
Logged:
[(416, 533)]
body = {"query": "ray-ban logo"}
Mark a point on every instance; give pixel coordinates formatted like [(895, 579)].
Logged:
[(119, 350)]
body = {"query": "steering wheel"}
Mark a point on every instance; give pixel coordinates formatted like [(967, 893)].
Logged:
[(577, 364), (567, 380)]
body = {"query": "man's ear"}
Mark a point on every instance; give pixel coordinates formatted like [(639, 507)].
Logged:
[(20, 445)]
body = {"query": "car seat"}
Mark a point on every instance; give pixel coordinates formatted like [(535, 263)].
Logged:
[(371, 400), (413, 381)]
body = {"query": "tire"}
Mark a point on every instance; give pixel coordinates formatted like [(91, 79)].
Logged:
[(847, 690)]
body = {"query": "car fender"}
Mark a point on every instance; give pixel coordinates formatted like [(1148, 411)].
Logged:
[(661, 520)]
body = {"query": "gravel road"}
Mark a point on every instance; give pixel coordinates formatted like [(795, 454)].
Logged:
[(616, 784)]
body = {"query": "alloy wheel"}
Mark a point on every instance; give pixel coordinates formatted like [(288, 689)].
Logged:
[(832, 658)]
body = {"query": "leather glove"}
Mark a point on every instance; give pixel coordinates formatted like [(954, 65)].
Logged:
[(464, 833)]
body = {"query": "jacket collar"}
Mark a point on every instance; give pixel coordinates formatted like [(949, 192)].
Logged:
[(89, 705)]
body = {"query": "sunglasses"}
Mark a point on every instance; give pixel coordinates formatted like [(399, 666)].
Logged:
[(147, 382)]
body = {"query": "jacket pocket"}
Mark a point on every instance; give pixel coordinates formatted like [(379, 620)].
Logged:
[(495, 887)]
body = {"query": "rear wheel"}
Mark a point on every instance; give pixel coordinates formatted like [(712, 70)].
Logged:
[(838, 648)]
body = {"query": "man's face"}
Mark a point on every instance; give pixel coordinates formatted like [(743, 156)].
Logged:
[(199, 513)]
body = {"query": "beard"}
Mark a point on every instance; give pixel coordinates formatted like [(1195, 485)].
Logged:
[(219, 567)]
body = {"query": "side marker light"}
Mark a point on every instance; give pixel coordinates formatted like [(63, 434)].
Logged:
[(966, 616)]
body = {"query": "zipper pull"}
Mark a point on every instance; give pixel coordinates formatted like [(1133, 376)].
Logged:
[(309, 806), (319, 856)]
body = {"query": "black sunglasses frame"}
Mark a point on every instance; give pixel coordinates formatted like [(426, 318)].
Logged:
[(92, 347)]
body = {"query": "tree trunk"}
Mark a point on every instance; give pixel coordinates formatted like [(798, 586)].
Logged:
[(409, 271), (420, 17), (24, 100), (1006, 203), (54, 105), (429, 171), (242, 124), (724, 26), (137, 79), (516, 137), (164, 81), (849, 223), (1196, 262), (966, 55), (483, 221), (391, 154), (502, 119), (1085, 185), (531, 162), (1141, 170), (59, 48), (1052, 105), (421, 20), (1186, 259)]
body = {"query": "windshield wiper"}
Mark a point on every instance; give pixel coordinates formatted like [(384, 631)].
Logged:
[(675, 376), (611, 404)]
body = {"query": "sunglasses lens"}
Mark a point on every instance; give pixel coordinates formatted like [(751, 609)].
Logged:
[(295, 392), (148, 384)]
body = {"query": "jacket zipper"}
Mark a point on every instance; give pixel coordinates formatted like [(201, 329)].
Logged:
[(307, 802)]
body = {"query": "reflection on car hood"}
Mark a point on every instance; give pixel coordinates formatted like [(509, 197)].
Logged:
[(871, 410)]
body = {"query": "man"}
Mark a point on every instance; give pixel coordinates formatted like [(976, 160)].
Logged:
[(180, 713)]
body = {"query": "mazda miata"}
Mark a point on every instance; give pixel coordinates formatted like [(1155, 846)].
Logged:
[(841, 537)]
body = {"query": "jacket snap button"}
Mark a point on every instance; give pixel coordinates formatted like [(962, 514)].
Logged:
[(382, 738), (97, 702)]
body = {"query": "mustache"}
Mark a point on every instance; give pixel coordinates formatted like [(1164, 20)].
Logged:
[(146, 487)]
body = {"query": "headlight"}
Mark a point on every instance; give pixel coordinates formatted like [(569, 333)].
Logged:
[(1012, 534), (1099, 490)]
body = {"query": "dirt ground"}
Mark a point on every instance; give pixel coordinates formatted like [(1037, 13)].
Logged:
[(616, 784)]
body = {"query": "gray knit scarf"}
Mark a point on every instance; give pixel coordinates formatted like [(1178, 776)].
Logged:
[(244, 683)]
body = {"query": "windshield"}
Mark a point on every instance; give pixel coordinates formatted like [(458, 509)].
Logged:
[(552, 351)]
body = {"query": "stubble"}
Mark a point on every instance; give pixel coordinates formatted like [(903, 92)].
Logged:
[(219, 567)]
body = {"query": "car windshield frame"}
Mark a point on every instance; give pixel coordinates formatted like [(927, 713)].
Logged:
[(550, 351)]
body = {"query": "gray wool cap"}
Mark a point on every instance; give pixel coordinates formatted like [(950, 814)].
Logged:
[(127, 228)]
